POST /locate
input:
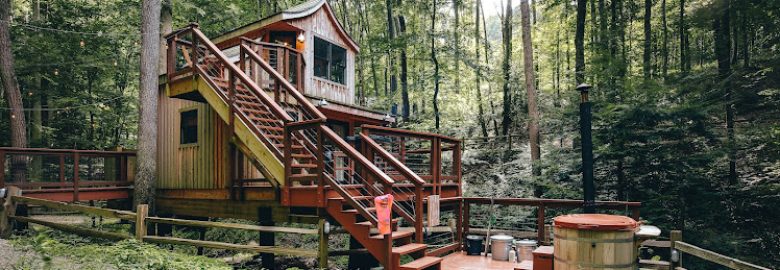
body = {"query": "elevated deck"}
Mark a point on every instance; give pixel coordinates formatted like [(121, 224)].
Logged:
[(68, 175)]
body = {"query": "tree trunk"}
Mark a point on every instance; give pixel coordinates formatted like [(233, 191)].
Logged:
[(390, 55), (647, 53), (13, 96), (685, 62), (665, 42), (166, 27), (530, 86), (404, 72), (148, 90), (579, 39), (456, 32), (435, 61), (506, 123), (721, 26), (478, 72)]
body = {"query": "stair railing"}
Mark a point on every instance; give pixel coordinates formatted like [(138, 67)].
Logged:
[(190, 53), (374, 151), (328, 146)]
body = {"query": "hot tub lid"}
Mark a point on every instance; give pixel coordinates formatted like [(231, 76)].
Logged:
[(596, 222)]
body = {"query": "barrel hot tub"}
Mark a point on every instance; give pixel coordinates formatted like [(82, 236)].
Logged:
[(594, 242)]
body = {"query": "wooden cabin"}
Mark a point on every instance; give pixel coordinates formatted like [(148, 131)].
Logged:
[(260, 123)]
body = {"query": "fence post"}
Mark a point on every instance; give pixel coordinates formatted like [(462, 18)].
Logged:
[(540, 232), (323, 248), (674, 236), (76, 158), (8, 209), (142, 211)]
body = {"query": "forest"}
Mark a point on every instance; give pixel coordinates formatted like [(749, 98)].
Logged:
[(685, 93)]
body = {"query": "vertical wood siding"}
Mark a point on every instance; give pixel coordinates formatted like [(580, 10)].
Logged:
[(204, 165), (320, 25)]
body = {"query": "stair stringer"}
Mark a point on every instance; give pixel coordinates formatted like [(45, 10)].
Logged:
[(359, 232), (260, 152)]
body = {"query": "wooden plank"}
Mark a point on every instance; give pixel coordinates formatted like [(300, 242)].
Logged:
[(225, 225), (229, 246), (74, 229), (323, 244), (716, 258), (127, 215)]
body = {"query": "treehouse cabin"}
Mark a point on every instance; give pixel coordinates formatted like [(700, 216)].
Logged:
[(260, 124)]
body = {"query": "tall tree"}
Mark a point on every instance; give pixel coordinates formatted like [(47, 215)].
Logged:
[(456, 31), (404, 70), (506, 36), (391, 35), (647, 53), (530, 86), (722, 30), (685, 60), (664, 42), (579, 40), (478, 71), (147, 123), (13, 95), (435, 61)]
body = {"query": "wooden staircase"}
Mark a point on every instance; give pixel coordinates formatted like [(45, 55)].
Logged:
[(284, 132)]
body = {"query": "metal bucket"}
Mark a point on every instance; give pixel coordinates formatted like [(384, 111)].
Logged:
[(525, 249), (474, 244), (500, 245)]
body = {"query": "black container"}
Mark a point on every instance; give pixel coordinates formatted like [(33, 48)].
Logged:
[(474, 244)]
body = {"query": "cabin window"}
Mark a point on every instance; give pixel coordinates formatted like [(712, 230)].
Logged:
[(189, 127), (330, 61)]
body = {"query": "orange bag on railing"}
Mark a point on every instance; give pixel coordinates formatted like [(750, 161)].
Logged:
[(384, 213)]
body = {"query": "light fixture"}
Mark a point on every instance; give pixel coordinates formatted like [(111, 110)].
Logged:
[(323, 102), (301, 37)]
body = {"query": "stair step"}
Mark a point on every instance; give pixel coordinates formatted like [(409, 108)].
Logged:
[(421, 263), (305, 165), (276, 129), (368, 223), (354, 211), (304, 177), (263, 119), (409, 248), (395, 235), (359, 198), (307, 156)]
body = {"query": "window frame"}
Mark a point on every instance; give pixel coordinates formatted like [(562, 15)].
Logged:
[(181, 127), (329, 60)]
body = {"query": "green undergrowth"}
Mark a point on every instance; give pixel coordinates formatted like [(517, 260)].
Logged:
[(56, 250)]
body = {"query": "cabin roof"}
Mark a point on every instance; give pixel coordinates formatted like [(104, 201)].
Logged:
[(296, 12)]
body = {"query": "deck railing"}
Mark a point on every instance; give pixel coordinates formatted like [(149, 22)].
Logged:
[(435, 158), (65, 170)]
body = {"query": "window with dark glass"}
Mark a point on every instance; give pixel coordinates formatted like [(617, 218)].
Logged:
[(330, 61), (189, 127)]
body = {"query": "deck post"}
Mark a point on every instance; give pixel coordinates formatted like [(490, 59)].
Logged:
[(540, 232), (142, 211), (62, 169), (674, 236), (76, 158), (265, 216), (323, 245)]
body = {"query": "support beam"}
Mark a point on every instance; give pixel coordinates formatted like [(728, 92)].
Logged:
[(265, 216)]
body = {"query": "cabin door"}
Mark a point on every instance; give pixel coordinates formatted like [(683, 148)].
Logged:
[(290, 63)]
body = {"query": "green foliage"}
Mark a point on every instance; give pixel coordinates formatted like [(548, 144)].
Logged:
[(128, 254)]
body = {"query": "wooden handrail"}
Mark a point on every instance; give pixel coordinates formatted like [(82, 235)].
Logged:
[(549, 202), (303, 101), (355, 155), (405, 171), (21, 150), (235, 71), (409, 133)]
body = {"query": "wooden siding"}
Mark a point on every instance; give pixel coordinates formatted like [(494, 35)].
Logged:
[(320, 25), (203, 165)]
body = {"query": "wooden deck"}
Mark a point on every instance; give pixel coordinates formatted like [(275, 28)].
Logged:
[(461, 261)]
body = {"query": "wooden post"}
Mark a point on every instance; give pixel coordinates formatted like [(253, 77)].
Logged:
[(459, 225), (320, 168), (76, 158), (2, 168), (8, 209), (466, 216), (540, 224), (674, 236), (62, 169), (142, 211), (265, 216), (323, 248)]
